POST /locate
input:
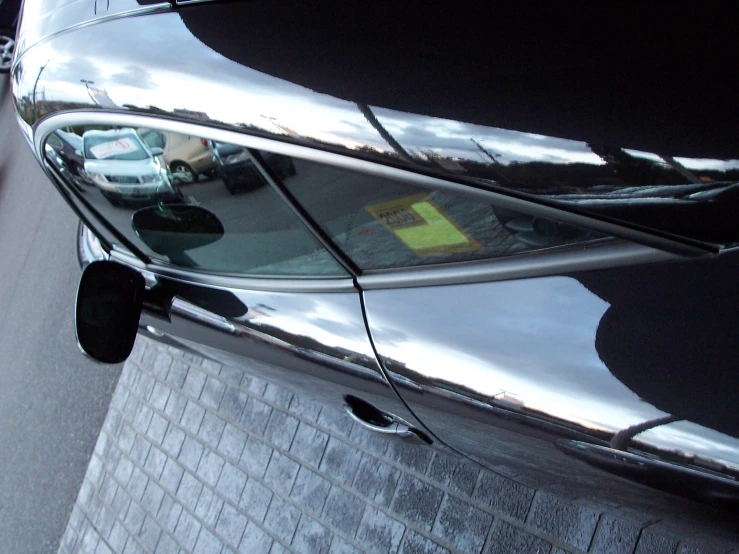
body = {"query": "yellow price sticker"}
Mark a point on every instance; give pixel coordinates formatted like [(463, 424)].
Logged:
[(423, 226)]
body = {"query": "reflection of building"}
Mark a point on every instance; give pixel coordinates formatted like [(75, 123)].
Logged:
[(101, 98), (449, 164), (508, 400), (190, 114)]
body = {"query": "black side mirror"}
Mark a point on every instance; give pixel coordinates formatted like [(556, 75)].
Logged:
[(109, 302)]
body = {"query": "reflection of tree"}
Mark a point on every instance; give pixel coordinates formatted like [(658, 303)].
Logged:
[(31, 112), (312, 345)]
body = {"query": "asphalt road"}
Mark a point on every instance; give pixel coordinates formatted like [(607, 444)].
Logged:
[(52, 399)]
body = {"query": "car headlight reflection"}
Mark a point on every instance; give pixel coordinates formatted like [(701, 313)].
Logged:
[(98, 178)]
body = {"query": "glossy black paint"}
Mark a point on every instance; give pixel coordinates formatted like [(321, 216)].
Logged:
[(9, 11), (530, 106), (107, 310)]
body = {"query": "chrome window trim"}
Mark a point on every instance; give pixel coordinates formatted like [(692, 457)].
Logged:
[(522, 266), (236, 282), (684, 247)]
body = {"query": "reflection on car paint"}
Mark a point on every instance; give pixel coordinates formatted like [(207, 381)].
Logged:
[(498, 370)]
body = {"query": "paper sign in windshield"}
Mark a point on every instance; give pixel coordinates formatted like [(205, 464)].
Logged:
[(123, 145), (423, 226)]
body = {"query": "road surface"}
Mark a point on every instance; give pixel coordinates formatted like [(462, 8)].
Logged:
[(52, 400)]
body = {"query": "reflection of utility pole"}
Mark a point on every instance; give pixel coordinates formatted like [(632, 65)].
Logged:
[(484, 151), (35, 84), (394, 144), (493, 158), (681, 169), (272, 121), (87, 86)]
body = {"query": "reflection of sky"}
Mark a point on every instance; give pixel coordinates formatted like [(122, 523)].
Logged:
[(225, 99), (692, 438), (331, 318), (534, 339), (205, 81), (688, 163), (419, 133)]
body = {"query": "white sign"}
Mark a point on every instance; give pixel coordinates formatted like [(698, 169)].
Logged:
[(122, 145)]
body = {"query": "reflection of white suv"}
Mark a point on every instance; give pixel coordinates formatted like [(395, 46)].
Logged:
[(186, 156), (124, 168)]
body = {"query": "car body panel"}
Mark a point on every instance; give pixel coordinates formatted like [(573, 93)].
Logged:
[(570, 356), (472, 145), (498, 363), (314, 343)]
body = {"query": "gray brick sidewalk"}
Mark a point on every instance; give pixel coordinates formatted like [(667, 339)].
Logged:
[(198, 457)]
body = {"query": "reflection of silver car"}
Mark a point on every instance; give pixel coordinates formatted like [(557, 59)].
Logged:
[(124, 168)]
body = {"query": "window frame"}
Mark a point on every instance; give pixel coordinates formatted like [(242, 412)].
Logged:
[(636, 246)]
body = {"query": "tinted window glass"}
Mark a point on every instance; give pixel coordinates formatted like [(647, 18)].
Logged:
[(383, 224), (261, 235), (152, 138)]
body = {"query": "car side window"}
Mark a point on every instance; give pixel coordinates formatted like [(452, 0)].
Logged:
[(380, 223), (152, 138), (261, 235)]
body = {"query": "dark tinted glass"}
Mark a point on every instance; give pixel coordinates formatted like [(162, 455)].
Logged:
[(383, 224)]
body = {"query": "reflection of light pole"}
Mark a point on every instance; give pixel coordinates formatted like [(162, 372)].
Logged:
[(35, 84), (272, 122), (87, 86)]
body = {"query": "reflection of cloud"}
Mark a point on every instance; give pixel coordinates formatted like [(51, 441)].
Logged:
[(716, 165), (689, 163), (691, 437), (532, 338), (134, 76), (72, 70), (332, 319), (452, 138)]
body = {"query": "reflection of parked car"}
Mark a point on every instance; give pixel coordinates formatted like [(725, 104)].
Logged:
[(185, 155), (68, 146), (124, 168), (237, 169), (8, 20)]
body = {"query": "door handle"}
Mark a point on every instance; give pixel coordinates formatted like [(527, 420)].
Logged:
[(379, 421), (391, 427)]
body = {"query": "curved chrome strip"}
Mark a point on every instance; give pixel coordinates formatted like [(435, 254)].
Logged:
[(235, 282), (46, 126), (535, 264)]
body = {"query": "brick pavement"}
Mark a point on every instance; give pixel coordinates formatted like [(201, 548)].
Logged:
[(199, 457)]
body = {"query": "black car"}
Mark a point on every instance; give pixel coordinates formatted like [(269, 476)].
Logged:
[(68, 147), (238, 172), (502, 230), (9, 11)]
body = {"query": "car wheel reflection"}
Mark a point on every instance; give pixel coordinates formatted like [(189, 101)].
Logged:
[(7, 45), (185, 173)]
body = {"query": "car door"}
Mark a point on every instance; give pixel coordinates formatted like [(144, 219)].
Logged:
[(268, 296), (523, 337)]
